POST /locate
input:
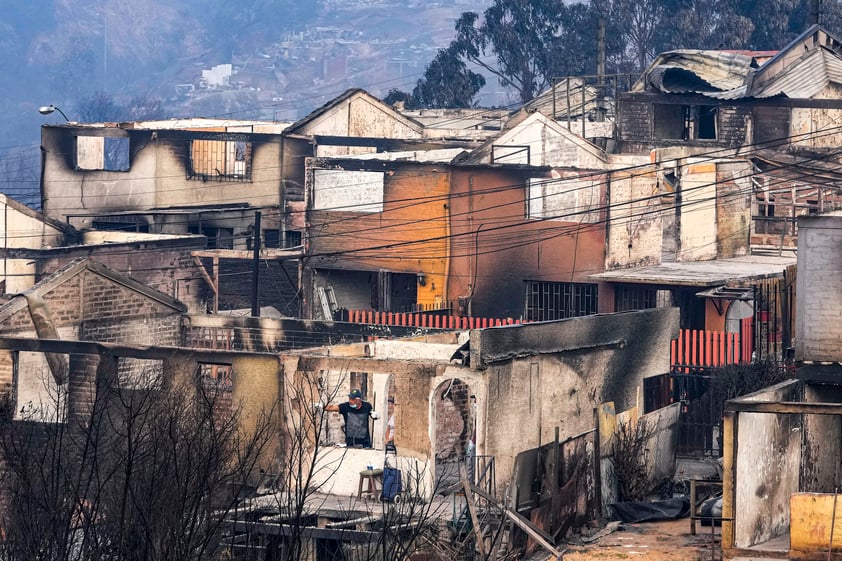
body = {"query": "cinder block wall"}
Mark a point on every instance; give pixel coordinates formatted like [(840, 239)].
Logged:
[(818, 323)]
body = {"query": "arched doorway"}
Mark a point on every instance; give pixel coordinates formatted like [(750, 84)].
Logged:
[(453, 406)]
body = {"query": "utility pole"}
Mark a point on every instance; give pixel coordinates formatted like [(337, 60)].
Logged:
[(600, 72), (255, 272), (815, 11)]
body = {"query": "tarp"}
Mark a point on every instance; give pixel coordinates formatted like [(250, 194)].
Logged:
[(670, 509)]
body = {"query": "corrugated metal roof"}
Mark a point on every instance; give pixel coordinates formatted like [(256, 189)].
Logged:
[(696, 71), (573, 87), (802, 80)]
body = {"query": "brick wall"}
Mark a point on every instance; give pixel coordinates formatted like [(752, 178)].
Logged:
[(168, 270), (635, 120), (94, 308), (453, 419)]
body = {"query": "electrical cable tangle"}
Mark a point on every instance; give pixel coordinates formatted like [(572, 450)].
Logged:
[(413, 201), (636, 216), (568, 215), (551, 233), (420, 200), (660, 195)]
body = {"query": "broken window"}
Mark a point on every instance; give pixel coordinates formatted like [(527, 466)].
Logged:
[(220, 160), (546, 301), (215, 376), (102, 153), (685, 122), (706, 121)]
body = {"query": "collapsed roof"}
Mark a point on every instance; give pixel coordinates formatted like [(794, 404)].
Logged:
[(800, 70)]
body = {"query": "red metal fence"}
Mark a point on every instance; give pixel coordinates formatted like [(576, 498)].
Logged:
[(429, 320), (695, 347)]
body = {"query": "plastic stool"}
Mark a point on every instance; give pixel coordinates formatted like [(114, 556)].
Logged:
[(371, 478)]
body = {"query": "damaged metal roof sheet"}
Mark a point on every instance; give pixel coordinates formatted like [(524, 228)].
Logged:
[(697, 71), (553, 101), (801, 70), (818, 69)]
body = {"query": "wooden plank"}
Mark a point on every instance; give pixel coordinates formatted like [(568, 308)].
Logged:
[(784, 407), (534, 532), (472, 509)]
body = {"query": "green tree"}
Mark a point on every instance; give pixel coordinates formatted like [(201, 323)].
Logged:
[(447, 82), (398, 96), (522, 36)]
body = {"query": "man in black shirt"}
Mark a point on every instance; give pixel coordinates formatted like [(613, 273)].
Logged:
[(356, 413)]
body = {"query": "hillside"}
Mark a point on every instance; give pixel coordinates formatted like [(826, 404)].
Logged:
[(287, 57)]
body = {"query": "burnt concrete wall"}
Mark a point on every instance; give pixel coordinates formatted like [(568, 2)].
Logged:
[(768, 460), (554, 374), (495, 250), (158, 176), (821, 467), (408, 234), (635, 231)]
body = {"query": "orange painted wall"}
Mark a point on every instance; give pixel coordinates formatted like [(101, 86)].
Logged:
[(408, 236), (495, 248)]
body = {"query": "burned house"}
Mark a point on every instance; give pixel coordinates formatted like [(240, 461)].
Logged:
[(465, 232)]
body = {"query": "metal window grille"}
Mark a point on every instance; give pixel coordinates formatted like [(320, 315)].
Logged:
[(627, 298), (220, 160), (559, 300)]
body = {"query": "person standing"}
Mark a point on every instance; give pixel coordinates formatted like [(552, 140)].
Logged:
[(356, 413)]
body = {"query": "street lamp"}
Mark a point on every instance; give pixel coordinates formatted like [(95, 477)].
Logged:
[(47, 109)]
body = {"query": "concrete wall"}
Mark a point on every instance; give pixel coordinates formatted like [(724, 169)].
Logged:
[(635, 231), (697, 212), (409, 234), (821, 468), (554, 374), (767, 466), (158, 176), (550, 144), (662, 427), (494, 251), (818, 285), (816, 524), (21, 227), (733, 208), (356, 116)]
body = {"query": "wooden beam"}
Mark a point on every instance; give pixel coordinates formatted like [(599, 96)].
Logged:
[(536, 533), (145, 352), (278, 529), (784, 407), (205, 275), (472, 509), (265, 253)]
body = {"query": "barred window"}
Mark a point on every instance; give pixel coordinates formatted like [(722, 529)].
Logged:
[(629, 298), (559, 300), (220, 160)]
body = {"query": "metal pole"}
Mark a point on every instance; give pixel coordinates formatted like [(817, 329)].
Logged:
[(255, 305)]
